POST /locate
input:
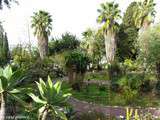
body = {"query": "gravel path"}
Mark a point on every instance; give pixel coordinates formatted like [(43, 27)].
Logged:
[(83, 107)]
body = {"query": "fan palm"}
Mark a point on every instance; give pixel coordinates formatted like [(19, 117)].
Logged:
[(145, 14), (42, 24), (51, 100), (109, 13)]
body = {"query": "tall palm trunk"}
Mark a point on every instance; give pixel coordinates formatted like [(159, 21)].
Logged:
[(3, 106), (145, 25), (110, 46), (43, 46)]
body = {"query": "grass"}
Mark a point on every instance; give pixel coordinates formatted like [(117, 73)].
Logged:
[(100, 95), (102, 75)]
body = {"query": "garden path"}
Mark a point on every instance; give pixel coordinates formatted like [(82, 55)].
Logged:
[(112, 111)]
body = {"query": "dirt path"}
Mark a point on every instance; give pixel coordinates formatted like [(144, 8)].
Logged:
[(83, 107)]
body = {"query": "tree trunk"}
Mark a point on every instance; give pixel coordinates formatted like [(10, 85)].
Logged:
[(3, 106), (110, 46), (145, 25), (43, 46), (44, 116)]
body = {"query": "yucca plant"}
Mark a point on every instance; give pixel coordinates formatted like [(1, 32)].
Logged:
[(51, 99), (9, 86)]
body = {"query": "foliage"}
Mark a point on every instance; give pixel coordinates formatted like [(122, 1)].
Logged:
[(79, 59), (23, 57), (51, 99), (145, 13), (92, 43), (108, 14), (4, 47), (41, 69), (127, 37), (10, 87), (42, 24), (66, 42), (150, 44)]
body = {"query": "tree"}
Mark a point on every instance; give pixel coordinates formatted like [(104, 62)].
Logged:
[(108, 16), (76, 63), (145, 14), (9, 82), (6, 2), (128, 34), (4, 47), (93, 43), (51, 99), (42, 24), (65, 43), (152, 55)]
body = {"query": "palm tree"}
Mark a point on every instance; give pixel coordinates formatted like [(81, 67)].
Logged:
[(145, 14), (42, 24), (6, 2), (51, 99), (9, 82), (108, 16)]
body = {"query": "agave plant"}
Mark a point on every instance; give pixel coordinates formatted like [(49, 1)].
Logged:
[(9, 86), (52, 99)]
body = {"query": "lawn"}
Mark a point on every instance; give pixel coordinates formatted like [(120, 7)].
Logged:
[(102, 95)]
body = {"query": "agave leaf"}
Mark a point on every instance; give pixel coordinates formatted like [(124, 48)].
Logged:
[(7, 72), (50, 83), (40, 90), (21, 90), (3, 84), (37, 99), (57, 86), (59, 113), (23, 103), (1, 72)]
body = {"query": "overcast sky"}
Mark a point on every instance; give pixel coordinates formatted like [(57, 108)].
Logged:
[(68, 16)]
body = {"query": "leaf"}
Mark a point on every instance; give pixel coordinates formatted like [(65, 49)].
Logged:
[(36, 99), (57, 86), (23, 103), (1, 72), (3, 84), (7, 72), (40, 90), (59, 113), (21, 90), (50, 83)]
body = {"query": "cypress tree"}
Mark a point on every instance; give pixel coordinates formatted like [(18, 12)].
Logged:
[(4, 48)]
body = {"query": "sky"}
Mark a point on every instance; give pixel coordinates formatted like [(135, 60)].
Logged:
[(73, 16)]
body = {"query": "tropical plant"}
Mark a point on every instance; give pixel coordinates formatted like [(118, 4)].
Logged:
[(76, 63), (145, 14), (4, 47), (92, 43), (52, 99), (9, 86), (42, 24), (109, 14)]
